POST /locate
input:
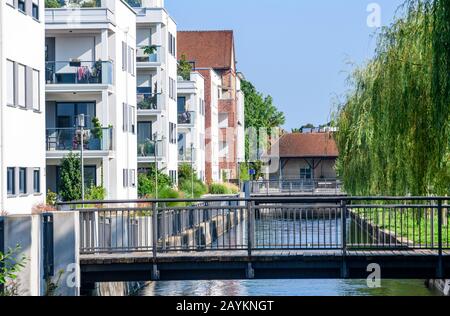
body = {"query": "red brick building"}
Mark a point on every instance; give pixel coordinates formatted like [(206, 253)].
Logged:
[(214, 50)]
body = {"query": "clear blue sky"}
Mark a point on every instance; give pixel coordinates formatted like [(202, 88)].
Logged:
[(294, 50)]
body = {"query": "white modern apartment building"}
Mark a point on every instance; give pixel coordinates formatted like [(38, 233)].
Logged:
[(22, 111), (156, 88), (191, 123), (90, 58)]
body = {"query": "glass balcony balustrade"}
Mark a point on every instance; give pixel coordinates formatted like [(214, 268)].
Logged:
[(148, 54), (186, 118), (149, 101), (69, 139), (78, 72), (148, 149)]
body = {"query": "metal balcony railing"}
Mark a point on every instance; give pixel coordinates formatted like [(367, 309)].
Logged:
[(149, 101), (68, 139), (78, 72)]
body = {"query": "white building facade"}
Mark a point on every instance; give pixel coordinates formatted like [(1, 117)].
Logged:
[(22, 112), (90, 56), (191, 123), (156, 88)]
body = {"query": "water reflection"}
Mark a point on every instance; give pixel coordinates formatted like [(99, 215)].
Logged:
[(287, 288)]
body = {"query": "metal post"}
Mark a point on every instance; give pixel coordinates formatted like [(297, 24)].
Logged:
[(344, 272), (440, 271), (81, 124), (48, 251), (250, 220), (192, 170), (155, 272)]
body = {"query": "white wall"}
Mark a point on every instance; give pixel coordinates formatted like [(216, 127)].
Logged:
[(22, 131)]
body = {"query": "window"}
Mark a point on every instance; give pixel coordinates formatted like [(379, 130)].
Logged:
[(35, 9), (133, 178), (133, 119), (172, 89), (223, 120), (223, 149), (305, 173), (173, 175), (129, 118), (124, 56), (35, 93), (22, 180), (131, 60), (21, 85), (181, 104), (129, 178), (21, 5), (37, 181), (172, 133), (125, 117), (10, 82), (11, 181), (172, 45)]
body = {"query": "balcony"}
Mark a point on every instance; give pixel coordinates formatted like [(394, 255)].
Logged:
[(148, 56), (69, 139), (147, 151), (70, 17), (186, 118), (185, 155), (149, 101), (78, 73)]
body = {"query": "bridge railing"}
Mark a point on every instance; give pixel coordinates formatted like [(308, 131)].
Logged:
[(297, 186), (283, 223)]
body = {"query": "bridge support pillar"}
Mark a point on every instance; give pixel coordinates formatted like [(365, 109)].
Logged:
[(155, 273), (249, 272), (344, 270)]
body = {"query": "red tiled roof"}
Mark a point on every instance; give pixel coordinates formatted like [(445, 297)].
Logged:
[(208, 49), (314, 145)]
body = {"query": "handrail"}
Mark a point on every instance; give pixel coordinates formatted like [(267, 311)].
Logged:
[(306, 199)]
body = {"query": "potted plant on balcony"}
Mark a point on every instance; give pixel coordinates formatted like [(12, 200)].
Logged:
[(97, 70), (96, 132)]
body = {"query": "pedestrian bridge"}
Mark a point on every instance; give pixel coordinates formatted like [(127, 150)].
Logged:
[(233, 238), (296, 187)]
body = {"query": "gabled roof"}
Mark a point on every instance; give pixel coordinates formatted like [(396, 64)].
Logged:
[(208, 49), (308, 145)]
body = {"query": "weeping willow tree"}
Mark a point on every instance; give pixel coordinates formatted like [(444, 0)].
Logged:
[(394, 124)]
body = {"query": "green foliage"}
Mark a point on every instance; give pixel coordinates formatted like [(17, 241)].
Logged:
[(223, 189), (260, 112), (95, 193), (147, 183), (96, 129), (394, 126), (184, 68), (185, 176), (170, 193), (150, 50), (70, 178), (52, 4), (244, 172), (10, 266), (51, 198)]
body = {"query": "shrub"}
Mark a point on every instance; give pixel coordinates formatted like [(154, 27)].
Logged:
[(223, 189), (70, 180), (52, 4), (146, 183), (185, 175), (96, 193), (51, 198)]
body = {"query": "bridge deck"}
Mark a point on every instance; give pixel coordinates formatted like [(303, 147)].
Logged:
[(293, 264)]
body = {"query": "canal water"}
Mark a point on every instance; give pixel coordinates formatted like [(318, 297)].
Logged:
[(288, 231)]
